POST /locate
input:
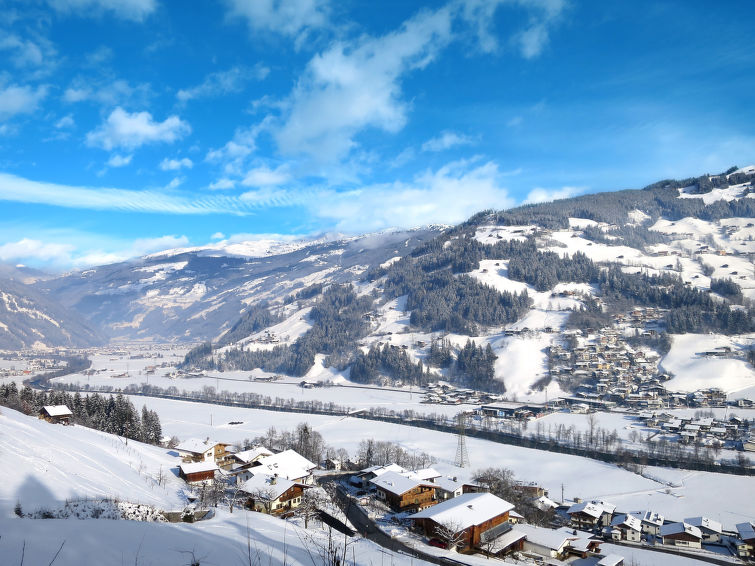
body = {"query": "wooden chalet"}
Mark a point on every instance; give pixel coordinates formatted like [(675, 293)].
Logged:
[(591, 514), (196, 450), (681, 534), (746, 542), (198, 472), (56, 414), (476, 518), (404, 492), (272, 494)]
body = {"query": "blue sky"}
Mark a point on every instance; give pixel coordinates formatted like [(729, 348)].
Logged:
[(130, 126)]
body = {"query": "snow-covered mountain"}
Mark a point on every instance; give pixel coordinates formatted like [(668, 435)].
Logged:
[(198, 293)]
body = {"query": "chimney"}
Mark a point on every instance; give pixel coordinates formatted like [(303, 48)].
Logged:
[(274, 479)]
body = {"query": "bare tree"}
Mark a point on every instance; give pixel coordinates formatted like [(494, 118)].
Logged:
[(450, 532)]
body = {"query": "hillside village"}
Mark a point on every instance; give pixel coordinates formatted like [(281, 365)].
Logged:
[(431, 509)]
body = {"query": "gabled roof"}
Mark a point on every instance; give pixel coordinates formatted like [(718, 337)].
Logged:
[(466, 510), (58, 410), (427, 474), (649, 517), (196, 467), (705, 524), (629, 521), (588, 508), (288, 464), (196, 445), (679, 528), (548, 538), (398, 484), (379, 470), (248, 456), (267, 487)]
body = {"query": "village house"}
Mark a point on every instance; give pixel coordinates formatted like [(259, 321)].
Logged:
[(197, 450), (651, 522), (288, 464), (710, 529), (364, 477), (626, 527), (541, 542), (746, 542), (474, 518), (602, 560), (195, 473), (404, 492), (56, 414), (591, 514), (272, 494), (448, 487), (681, 534)]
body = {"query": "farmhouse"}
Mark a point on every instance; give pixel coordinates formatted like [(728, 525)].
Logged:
[(196, 450), (288, 464), (57, 414), (404, 492), (651, 522), (252, 455), (545, 542), (272, 494), (472, 519), (626, 527), (710, 529), (681, 534), (198, 472), (592, 514)]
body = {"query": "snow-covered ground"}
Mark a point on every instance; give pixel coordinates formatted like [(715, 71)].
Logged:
[(719, 496), (693, 371), (43, 465)]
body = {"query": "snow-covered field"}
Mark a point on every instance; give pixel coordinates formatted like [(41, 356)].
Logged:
[(693, 371), (719, 496)]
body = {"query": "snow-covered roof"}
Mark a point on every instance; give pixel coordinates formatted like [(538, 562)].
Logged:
[(611, 560), (427, 474), (287, 464), (197, 467), (544, 503), (251, 455), (265, 486), (196, 445), (746, 531), (466, 510), (590, 508), (629, 521), (379, 470), (705, 524), (451, 484), (398, 484), (649, 517), (548, 538), (58, 410), (679, 528)]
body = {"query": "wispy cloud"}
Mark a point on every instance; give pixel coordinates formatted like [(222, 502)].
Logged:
[(16, 99), (107, 91), (445, 141), (132, 130), (264, 176), (176, 164), (17, 189), (223, 82), (117, 160), (135, 10), (292, 18)]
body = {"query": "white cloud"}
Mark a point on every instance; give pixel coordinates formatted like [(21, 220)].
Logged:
[(264, 176), (175, 182), (65, 123), (15, 99), (222, 184), (218, 236), (542, 16), (107, 91), (135, 10), (449, 195), (18, 189), (176, 164), (119, 160), (446, 141), (234, 153), (132, 130), (293, 18), (357, 85), (539, 194), (31, 248), (223, 82), (26, 53)]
